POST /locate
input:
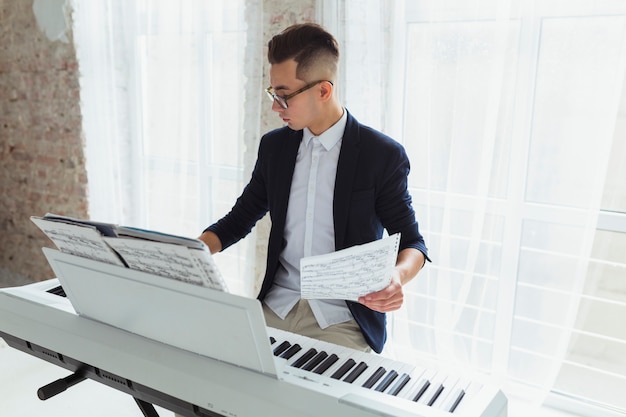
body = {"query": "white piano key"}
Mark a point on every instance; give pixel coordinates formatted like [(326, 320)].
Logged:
[(452, 385), (306, 356), (391, 365), (471, 391), (314, 362), (449, 383), (416, 384), (305, 348), (290, 352), (409, 371), (453, 399), (399, 384), (399, 368), (344, 355), (373, 363), (436, 385), (385, 382)]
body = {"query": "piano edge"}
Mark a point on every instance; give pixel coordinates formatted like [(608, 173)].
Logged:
[(382, 405)]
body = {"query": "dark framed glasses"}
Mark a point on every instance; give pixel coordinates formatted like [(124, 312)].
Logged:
[(282, 100)]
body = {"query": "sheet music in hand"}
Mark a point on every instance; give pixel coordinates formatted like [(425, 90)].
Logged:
[(349, 273)]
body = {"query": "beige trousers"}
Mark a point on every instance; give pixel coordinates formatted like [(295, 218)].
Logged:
[(302, 321)]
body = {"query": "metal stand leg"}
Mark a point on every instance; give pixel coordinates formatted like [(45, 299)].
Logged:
[(146, 408), (60, 385)]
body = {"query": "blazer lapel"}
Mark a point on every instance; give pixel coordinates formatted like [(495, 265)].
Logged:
[(346, 169)]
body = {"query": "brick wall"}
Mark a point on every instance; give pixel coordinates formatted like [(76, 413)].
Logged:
[(41, 148)]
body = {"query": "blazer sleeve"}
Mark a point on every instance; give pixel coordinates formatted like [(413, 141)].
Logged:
[(248, 209)]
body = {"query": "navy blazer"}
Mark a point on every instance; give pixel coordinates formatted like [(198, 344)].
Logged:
[(370, 195)]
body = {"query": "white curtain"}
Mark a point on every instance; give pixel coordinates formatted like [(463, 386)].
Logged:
[(506, 109), (166, 90)]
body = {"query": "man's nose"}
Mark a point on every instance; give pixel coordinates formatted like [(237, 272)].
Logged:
[(277, 107)]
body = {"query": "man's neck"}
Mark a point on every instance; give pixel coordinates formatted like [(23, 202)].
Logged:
[(330, 117)]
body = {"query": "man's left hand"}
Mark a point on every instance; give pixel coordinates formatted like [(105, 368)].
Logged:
[(388, 299)]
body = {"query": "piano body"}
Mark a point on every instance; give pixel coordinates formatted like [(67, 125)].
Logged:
[(254, 370)]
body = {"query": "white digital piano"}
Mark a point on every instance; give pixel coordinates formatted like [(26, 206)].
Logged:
[(206, 353)]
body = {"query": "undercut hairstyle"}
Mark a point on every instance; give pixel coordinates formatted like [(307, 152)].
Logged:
[(310, 46)]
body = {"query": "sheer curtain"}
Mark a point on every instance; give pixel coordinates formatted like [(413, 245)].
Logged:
[(507, 110), (167, 88)]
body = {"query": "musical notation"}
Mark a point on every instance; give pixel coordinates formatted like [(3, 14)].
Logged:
[(169, 260), (157, 258), (80, 240), (176, 257), (349, 273)]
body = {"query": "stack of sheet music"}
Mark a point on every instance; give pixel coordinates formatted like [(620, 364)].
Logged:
[(163, 254)]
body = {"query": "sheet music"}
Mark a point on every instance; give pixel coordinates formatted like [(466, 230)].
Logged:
[(85, 241), (214, 278), (349, 273), (164, 259)]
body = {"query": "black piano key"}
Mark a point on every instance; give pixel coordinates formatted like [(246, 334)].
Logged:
[(330, 361), (421, 389), (339, 373), (58, 290), (401, 383), (384, 384), (281, 348), (317, 359), (374, 377), (356, 372), (435, 395), (457, 399), (304, 358), (288, 354)]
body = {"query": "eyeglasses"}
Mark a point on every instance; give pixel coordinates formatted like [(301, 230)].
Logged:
[(282, 100)]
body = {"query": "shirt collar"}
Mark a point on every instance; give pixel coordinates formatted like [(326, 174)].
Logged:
[(331, 136)]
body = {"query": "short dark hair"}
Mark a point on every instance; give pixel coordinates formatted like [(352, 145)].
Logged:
[(309, 44)]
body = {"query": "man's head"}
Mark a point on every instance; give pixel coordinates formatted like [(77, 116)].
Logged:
[(303, 72), (313, 49)]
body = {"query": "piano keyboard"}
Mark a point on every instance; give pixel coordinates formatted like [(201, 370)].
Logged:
[(370, 372), (338, 380), (366, 371)]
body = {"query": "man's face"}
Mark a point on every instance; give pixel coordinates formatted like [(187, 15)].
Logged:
[(301, 107)]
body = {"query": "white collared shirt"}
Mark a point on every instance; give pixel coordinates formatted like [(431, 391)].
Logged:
[(309, 226)]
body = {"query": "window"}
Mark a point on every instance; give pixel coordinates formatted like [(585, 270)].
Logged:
[(164, 95), (511, 113)]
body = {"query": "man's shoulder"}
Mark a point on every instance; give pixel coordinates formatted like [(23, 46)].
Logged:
[(281, 133), (369, 134), (373, 140)]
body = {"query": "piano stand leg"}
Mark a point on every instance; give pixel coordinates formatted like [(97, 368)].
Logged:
[(60, 385), (146, 408)]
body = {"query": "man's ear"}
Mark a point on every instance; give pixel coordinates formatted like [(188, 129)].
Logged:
[(326, 90)]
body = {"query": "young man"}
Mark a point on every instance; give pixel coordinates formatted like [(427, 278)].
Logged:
[(329, 183)]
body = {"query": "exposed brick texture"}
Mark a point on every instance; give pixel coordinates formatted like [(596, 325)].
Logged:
[(41, 147)]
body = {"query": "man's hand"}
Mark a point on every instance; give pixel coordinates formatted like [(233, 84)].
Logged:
[(388, 299), (212, 241), (391, 298)]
